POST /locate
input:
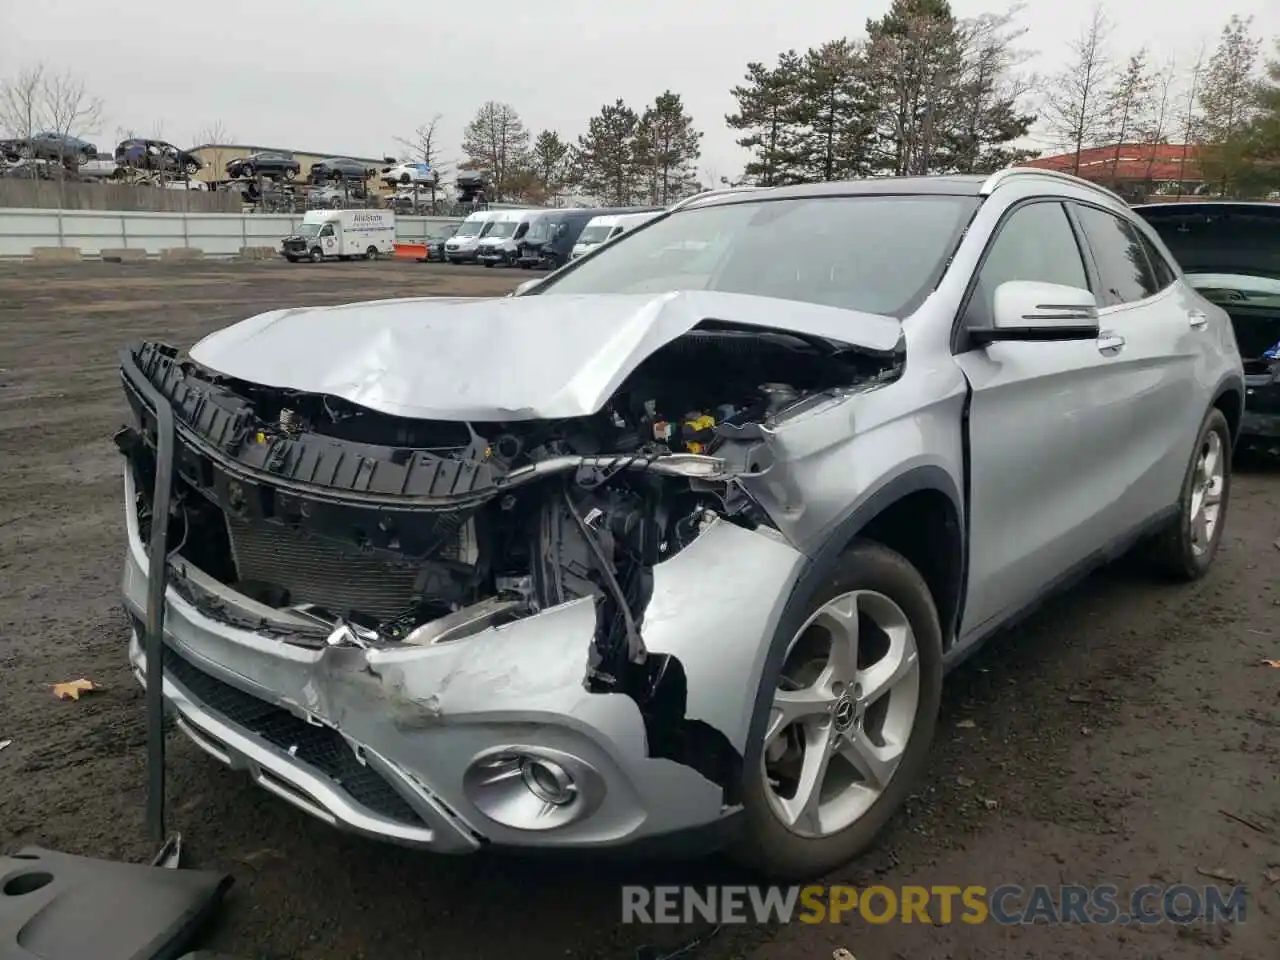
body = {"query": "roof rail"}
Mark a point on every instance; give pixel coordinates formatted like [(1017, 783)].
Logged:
[(1000, 177), (707, 195)]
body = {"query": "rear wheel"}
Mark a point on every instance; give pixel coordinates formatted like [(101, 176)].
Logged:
[(290, 174), (371, 253), (1187, 546), (247, 171), (191, 168), (851, 718)]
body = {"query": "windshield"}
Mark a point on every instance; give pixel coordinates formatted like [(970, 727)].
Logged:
[(469, 228), (501, 230), (541, 230), (596, 233), (878, 254), (308, 229)]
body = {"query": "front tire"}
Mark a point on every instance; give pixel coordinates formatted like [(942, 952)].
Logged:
[(1186, 548), (317, 255), (852, 715)]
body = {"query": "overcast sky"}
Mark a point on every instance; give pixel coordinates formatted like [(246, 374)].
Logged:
[(349, 77)]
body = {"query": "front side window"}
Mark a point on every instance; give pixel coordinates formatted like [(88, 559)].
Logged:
[(327, 231), (500, 231), (878, 254), (1036, 243), (1123, 270)]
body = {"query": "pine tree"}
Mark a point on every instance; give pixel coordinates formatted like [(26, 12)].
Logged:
[(830, 117), (1228, 104), (607, 167), (989, 118), (766, 104), (550, 162), (667, 150), (915, 69)]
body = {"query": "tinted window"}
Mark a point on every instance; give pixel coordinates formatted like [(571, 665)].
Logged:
[(879, 254), (1035, 243), (1122, 263)]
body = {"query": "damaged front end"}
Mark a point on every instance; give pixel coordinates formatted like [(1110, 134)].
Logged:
[(447, 599)]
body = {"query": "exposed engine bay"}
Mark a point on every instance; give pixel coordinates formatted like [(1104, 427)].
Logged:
[(369, 529)]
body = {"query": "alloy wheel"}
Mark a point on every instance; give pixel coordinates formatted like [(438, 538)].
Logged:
[(1206, 492), (843, 713)]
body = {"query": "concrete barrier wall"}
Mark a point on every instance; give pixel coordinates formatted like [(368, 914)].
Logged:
[(64, 195), (217, 234)]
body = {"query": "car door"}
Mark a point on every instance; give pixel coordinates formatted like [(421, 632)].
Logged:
[(1165, 335), (1047, 422), (328, 240)]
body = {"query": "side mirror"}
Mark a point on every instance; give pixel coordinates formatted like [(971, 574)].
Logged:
[(526, 286), (1031, 311)]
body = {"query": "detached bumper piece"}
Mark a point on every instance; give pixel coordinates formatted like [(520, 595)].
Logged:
[(54, 906)]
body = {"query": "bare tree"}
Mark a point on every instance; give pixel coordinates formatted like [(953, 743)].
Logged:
[(497, 142), (22, 103), (1191, 113), (215, 135), (1160, 119), (1073, 107), (424, 147), (69, 109), (1127, 105)]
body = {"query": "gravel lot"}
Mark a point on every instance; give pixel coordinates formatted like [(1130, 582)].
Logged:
[(1101, 742)]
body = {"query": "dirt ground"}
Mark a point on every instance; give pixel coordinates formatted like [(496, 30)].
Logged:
[(1114, 738)]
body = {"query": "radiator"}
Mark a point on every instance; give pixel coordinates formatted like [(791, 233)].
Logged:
[(329, 574)]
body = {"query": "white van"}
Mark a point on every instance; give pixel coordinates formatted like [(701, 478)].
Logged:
[(605, 228), (501, 244), (343, 234), (464, 244)]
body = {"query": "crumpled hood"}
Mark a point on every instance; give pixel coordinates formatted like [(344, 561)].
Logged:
[(514, 358)]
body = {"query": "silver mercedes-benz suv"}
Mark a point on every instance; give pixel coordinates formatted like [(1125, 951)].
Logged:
[(680, 540)]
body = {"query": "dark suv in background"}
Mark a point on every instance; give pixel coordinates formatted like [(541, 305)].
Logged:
[(139, 153), (340, 168), (61, 147), (265, 164)]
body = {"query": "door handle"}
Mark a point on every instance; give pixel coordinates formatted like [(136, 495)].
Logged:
[(1109, 342), (1198, 319)]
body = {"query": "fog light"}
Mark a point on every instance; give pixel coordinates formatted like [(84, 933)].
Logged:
[(533, 788), (548, 781)]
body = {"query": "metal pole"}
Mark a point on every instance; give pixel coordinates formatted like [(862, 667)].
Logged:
[(157, 580)]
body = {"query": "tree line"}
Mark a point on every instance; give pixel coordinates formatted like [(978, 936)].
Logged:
[(923, 92), (625, 157), (1222, 108)]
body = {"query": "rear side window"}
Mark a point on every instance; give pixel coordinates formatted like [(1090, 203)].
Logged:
[(1125, 274), (1035, 243), (1160, 268)]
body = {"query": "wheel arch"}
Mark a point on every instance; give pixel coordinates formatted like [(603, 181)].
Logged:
[(1229, 398), (909, 513)]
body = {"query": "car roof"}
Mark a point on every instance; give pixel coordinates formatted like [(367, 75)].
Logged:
[(964, 185)]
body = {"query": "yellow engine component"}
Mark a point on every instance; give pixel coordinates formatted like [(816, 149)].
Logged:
[(700, 427)]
